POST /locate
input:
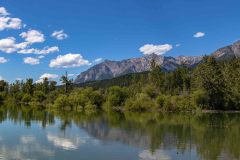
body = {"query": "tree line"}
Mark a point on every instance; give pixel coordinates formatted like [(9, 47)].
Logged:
[(212, 84)]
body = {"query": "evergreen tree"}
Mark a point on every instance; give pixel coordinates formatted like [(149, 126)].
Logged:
[(212, 81)]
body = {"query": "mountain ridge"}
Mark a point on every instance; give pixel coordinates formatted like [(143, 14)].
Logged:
[(111, 69)]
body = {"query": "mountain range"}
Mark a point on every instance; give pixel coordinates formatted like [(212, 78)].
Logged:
[(111, 69)]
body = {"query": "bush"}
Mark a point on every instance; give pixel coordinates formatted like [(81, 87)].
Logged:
[(26, 99), (116, 96), (62, 102), (51, 97), (161, 100), (84, 97), (2, 97), (200, 97), (141, 102), (179, 103), (150, 91), (39, 96)]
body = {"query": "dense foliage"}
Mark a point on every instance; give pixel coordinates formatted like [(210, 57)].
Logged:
[(211, 85)]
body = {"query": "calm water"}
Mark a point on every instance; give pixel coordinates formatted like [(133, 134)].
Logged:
[(32, 134)]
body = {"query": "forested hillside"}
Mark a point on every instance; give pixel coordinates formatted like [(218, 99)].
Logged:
[(213, 85)]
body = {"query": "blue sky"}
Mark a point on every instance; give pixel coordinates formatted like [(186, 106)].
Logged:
[(86, 30)]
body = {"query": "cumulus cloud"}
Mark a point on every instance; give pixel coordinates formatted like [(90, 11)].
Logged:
[(8, 45), (22, 45), (10, 23), (3, 60), (31, 61), (199, 35), (33, 36), (59, 35), (44, 51), (1, 78), (7, 22), (156, 49), (68, 61), (3, 12), (48, 76)]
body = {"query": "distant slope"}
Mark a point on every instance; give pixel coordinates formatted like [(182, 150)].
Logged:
[(227, 52), (111, 69), (125, 80)]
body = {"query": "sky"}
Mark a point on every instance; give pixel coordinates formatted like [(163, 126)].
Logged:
[(45, 38)]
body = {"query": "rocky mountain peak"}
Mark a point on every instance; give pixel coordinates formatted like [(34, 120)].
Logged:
[(110, 69)]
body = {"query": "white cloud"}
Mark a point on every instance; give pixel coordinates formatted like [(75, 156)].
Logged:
[(8, 45), (10, 23), (48, 76), (68, 61), (22, 45), (156, 49), (199, 35), (1, 78), (3, 60), (31, 61), (7, 22), (33, 36), (59, 35), (19, 79), (44, 51), (98, 60), (3, 12)]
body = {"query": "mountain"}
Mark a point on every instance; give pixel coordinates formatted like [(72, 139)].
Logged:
[(227, 52), (110, 69)]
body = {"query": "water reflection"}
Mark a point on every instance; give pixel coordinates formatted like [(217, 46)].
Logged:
[(157, 155), (65, 142), (117, 136)]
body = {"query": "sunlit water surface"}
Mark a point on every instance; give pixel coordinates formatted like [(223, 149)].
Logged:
[(32, 134)]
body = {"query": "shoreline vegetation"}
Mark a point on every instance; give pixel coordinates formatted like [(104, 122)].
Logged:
[(211, 86)]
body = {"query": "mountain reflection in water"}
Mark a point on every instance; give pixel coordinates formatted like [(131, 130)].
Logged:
[(36, 134)]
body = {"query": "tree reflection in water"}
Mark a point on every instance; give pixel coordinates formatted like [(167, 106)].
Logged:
[(210, 136)]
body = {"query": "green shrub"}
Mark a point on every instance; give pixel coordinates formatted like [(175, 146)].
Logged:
[(39, 96), (2, 97), (141, 102), (116, 96), (150, 91), (62, 102), (200, 97), (179, 103), (26, 99), (83, 97), (161, 100)]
